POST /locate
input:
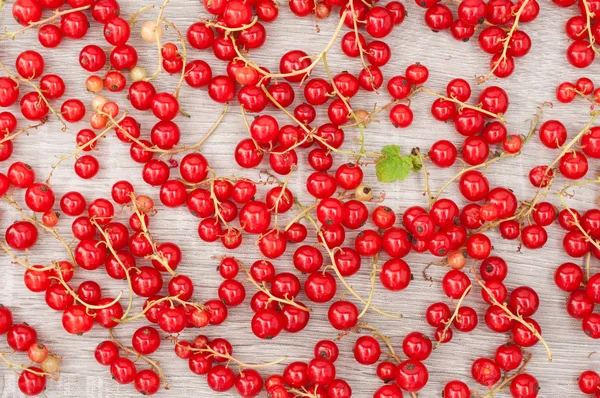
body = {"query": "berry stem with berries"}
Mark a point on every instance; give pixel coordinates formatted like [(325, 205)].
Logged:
[(340, 276), (174, 150), (462, 105), (265, 290), (183, 56), (500, 156), (10, 137), (154, 303), (588, 26), (304, 71), (13, 366), (39, 91), (156, 254), (154, 364), (54, 231), (57, 14), (215, 354), (512, 316), (89, 144), (507, 379), (506, 43), (118, 258), (454, 315)]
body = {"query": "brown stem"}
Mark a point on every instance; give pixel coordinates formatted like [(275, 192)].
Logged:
[(118, 258), (213, 353), (266, 291), (83, 147), (454, 315), (512, 316), (10, 200), (154, 364), (502, 155), (157, 37), (42, 22), (156, 254), (10, 137), (462, 105), (506, 46), (175, 150)]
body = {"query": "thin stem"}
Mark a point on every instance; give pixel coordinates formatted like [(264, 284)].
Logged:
[(280, 196), (157, 38), (183, 59), (587, 266), (12, 366), (588, 26), (213, 353), (427, 191), (512, 316), (300, 215), (154, 364), (454, 315), (10, 200), (372, 277), (506, 46), (135, 15), (266, 291), (83, 147), (175, 150), (341, 277), (156, 254), (226, 30), (118, 258), (42, 22), (10, 137), (462, 105)]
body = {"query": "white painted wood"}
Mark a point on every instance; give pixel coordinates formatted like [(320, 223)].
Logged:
[(534, 81)]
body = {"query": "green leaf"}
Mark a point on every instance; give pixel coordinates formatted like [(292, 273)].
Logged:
[(392, 166)]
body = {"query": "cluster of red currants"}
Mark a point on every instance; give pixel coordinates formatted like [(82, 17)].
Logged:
[(589, 383), (584, 30), (584, 87), (502, 38), (144, 341), (23, 338), (472, 122)]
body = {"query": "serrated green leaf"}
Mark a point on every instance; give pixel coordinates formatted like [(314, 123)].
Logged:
[(391, 150), (392, 166)]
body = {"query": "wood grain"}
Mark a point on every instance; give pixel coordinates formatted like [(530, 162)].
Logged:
[(534, 82)]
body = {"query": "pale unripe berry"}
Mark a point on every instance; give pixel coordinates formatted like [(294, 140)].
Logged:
[(138, 73), (363, 193), (98, 102), (148, 31)]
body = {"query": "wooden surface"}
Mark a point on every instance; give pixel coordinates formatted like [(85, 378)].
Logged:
[(534, 82)]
